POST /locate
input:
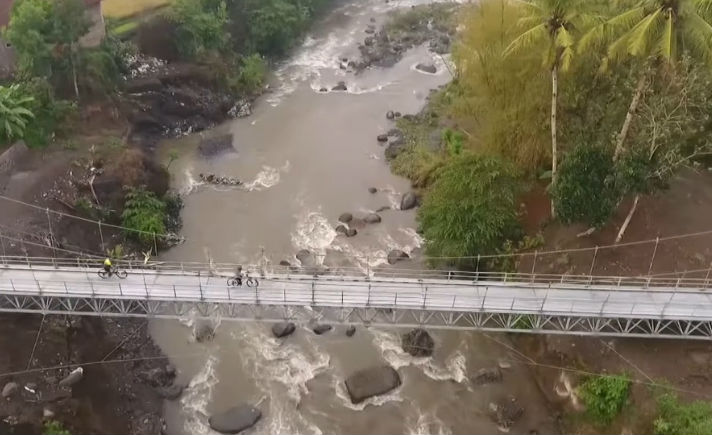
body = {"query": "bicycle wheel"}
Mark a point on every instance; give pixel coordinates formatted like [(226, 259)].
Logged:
[(122, 274), (252, 282), (102, 274), (233, 282)]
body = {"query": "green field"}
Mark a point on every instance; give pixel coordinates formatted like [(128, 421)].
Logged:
[(128, 8)]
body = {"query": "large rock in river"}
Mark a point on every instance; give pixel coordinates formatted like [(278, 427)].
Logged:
[(235, 419), (408, 200), (306, 258), (396, 255), (213, 146), (283, 329), (371, 382), (418, 342), (427, 68)]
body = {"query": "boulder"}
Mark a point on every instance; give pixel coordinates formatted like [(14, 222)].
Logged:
[(10, 389), (368, 41), (72, 378), (394, 148), (382, 138), (505, 412), (203, 332), (346, 217), (323, 90), (408, 200), (390, 115), (171, 392), (351, 232), (396, 255), (372, 218), (235, 419), (418, 343), (306, 258), (487, 376), (213, 146), (372, 190), (241, 109), (170, 370), (371, 382), (285, 263), (350, 331), (322, 329), (395, 132), (341, 229), (398, 114), (341, 86), (283, 329), (427, 68)]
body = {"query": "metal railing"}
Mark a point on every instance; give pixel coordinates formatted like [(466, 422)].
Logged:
[(358, 274)]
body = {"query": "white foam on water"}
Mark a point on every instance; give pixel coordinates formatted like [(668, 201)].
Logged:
[(266, 178), (426, 424), (271, 361), (454, 368), (313, 232), (197, 396), (191, 183)]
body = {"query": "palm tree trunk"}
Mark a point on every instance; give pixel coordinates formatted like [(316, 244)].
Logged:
[(629, 116), (554, 158), (74, 72), (627, 219)]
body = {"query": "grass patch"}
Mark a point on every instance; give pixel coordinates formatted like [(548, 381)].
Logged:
[(675, 418), (126, 28), (129, 8)]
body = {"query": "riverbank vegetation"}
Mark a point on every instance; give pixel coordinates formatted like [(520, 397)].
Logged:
[(606, 105)]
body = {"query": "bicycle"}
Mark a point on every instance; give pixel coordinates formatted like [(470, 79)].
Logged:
[(236, 281), (121, 274)]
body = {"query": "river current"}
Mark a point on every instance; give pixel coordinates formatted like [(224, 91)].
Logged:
[(305, 157)]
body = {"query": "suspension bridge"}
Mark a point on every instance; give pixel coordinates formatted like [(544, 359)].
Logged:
[(538, 303)]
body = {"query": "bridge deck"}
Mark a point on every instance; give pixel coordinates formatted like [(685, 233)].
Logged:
[(448, 303)]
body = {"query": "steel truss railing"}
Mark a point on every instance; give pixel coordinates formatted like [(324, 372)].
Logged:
[(524, 303)]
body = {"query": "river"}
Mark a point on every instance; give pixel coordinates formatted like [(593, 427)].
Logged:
[(306, 157)]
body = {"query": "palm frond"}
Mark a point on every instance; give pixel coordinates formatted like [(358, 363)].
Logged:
[(602, 33), (697, 37), (667, 45), (643, 33), (527, 39)]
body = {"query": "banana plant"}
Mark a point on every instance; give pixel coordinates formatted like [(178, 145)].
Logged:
[(15, 113)]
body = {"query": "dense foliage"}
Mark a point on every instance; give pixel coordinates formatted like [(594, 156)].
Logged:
[(470, 208), (605, 396), (15, 113), (200, 26), (53, 427), (146, 214), (675, 418), (586, 177), (46, 35)]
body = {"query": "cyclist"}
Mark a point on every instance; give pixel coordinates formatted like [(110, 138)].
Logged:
[(238, 275), (107, 266)]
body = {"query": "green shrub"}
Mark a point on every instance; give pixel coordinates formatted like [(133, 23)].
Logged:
[(52, 116), (585, 189), (470, 209), (146, 213), (605, 396), (675, 418), (201, 26), (53, 427), (252, 73)]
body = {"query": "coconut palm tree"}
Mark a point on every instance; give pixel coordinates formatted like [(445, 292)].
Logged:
[(551, 24), (657, 30), (652, 30)]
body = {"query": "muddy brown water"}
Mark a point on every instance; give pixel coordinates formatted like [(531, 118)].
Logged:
[(306, 157)]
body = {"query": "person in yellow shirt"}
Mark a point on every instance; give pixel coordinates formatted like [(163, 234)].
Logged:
[(107, 266)]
